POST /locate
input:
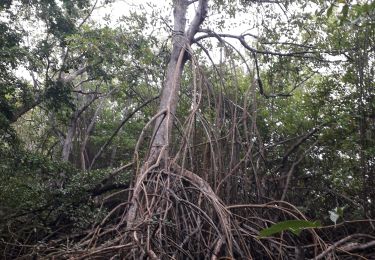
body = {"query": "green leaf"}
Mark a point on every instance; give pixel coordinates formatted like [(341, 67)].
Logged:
[(345, 11), (295, 226), (329, 11), (340, 211)]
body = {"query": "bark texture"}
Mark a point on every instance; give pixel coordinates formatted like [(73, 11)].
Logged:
[(182, 39), (159, 151)]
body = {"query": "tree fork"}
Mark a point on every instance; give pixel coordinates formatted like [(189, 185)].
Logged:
[(182, 40)]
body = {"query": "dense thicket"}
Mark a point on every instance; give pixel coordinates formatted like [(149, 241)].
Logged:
[(153, 137)]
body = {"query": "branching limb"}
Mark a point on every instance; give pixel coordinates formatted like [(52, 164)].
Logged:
[(123, 122)]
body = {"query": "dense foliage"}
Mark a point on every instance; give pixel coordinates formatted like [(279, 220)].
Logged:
[(275, 124)]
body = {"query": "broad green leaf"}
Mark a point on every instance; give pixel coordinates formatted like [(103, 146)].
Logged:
[(295, 226)]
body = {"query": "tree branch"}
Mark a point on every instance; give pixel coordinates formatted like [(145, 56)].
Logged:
[(109, 141), (341, 241), (200, 15), (241, 39)]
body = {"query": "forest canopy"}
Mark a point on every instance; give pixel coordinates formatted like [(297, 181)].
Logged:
[(189, 129)]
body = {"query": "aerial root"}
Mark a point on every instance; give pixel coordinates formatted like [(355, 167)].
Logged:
[(177, 214)]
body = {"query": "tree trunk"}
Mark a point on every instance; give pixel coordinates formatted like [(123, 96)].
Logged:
[(159, 151), (169, 97), (68, 142)]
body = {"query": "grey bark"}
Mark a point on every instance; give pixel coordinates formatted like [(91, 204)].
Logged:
[(68, 142), (182, 39), (89, 128)]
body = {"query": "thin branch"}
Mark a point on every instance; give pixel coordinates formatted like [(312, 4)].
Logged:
[(357, 246), (88, 15), (87, 93), (259, 81), (294, 147), (74, 75), (341, 241), (291, 170), (192, 2), (109, 141), (241, 39), (106, 185)]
